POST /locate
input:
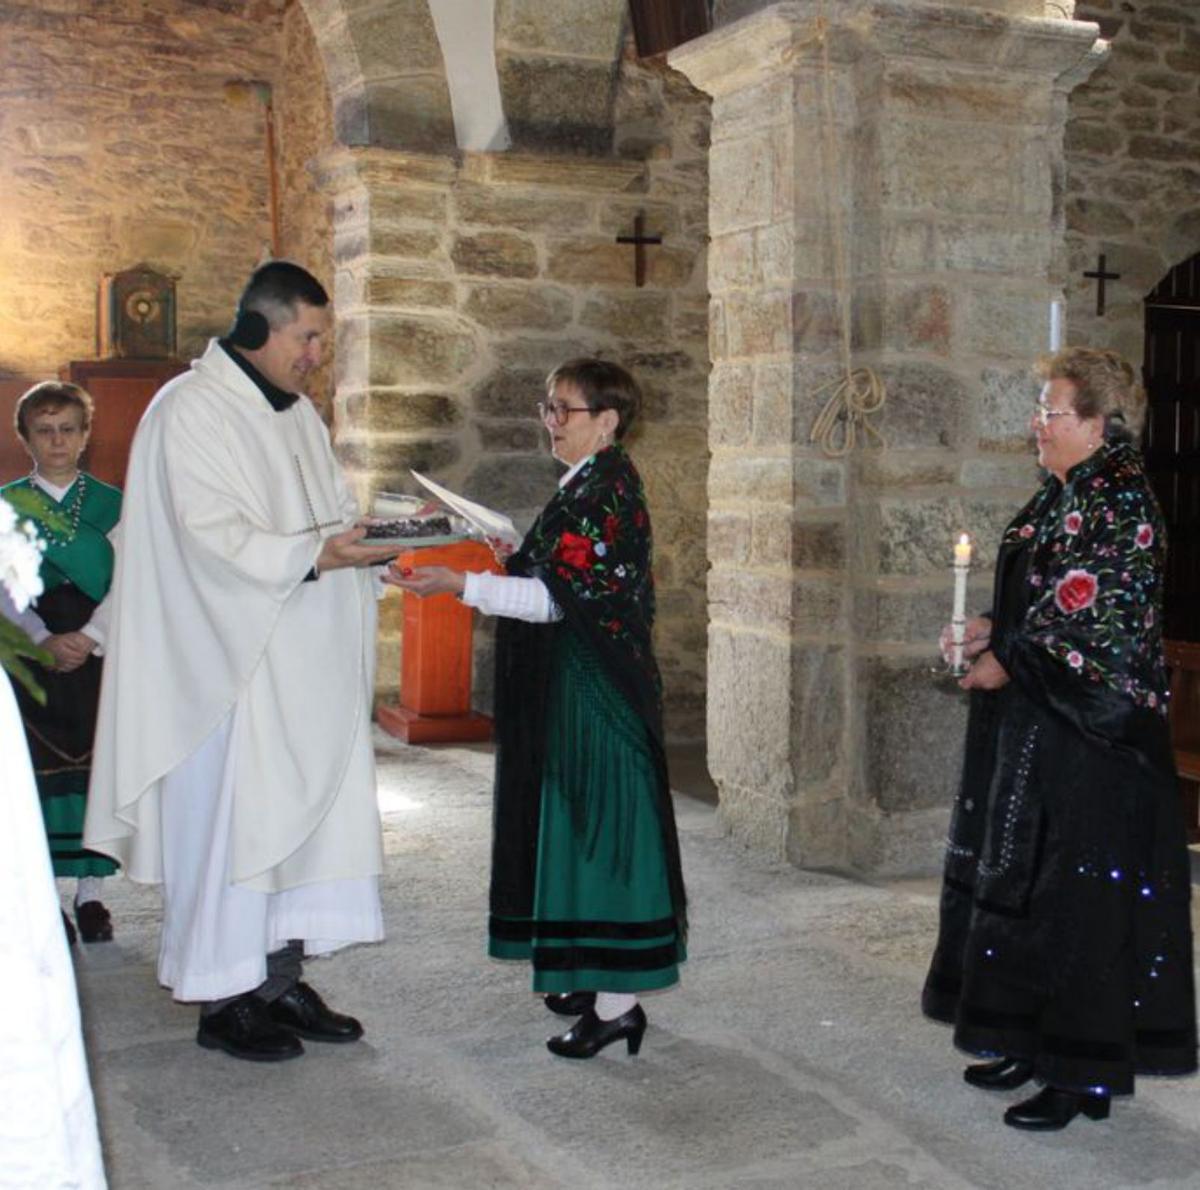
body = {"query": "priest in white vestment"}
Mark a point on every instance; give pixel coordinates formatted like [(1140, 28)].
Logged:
[(233, 759)]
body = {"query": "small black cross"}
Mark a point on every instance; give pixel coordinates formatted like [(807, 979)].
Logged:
[(639, 242), (1101, 276)]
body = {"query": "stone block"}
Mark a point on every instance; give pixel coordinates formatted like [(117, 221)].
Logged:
[(986, 520), (750, 669), (521, 437), (577, 30), (925, 406), (815, 322), (399, 32), (747, 111), (513, 483), (730, 404), (914, 741), (615, 217), (905, 469), (1019, 473), (388, 460), (908, 245), (737, 480), (818, 545), (729, 534), (917, 318), (760, 824), (392, 204), (513, 307), (689, 321), (494, 254), (785, 253), (998, 249), (820, 699), (751, 599), (637, 317), (913, 614), (970, 96), (742, 184), (551, 104), (1091, 139), (410, 113), (1160, 148), (605, 262), (384, 411), (1166, 80), (509, 392), (386, 350), (731, 261), (916, 536), (773, 417), (1003, 322), (387, 239), (529, 211), (949, 167), (404, 292), (820, 483), (770, 537)]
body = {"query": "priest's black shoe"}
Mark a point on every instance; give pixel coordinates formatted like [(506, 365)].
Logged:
[(589, 1035), (95, 922), (301, 1011), (1051, 1109), (1004, 1074), (244, 1029), (570, 1003)]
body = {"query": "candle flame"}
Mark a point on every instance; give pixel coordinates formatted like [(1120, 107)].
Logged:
[(964, 540)]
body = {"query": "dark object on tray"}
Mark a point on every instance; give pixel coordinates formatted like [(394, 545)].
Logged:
[(405, 527)]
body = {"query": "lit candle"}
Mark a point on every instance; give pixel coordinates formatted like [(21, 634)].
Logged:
[(958, 619)]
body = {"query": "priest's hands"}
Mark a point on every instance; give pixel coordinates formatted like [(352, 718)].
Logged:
[(426, 580), (976, 637), (342, 550), (985, 674), (69, 649)]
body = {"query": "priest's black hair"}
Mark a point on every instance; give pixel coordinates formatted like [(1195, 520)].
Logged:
[(270, 299)]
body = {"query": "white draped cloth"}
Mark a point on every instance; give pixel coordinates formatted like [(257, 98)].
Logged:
[(48, 1134), (213, 629)]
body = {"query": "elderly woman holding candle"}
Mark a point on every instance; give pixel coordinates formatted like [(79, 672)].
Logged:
[(1065, 948), (586, 880)]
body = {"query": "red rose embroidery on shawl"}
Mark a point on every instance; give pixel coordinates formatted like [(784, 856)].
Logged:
[(1026, 531), (1076, 592), (575, 550), (1144, 538), (611, 525), (1073, 522)]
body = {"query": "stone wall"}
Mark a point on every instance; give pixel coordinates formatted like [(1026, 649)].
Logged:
[(120, 145), (1133, 166), (304, 125), (831, 576), (460, 284)]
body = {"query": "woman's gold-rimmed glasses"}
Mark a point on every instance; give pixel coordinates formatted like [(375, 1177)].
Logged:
[(558, 411)]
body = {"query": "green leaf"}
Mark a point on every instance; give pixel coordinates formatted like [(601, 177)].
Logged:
[(15, 649)]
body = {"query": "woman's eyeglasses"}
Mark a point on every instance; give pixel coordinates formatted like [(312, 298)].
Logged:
[(558, 412), (1042, 415)]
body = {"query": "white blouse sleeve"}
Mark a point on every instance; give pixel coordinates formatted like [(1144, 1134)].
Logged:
[(28, 620), (506, 595)]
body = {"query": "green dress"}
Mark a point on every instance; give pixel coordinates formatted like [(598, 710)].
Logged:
[(586, 879), (76, 572)]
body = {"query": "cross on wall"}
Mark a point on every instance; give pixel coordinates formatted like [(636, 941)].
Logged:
[(1100, 276), (639, 240)]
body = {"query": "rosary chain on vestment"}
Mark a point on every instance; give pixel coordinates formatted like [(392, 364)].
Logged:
[(315, 526)]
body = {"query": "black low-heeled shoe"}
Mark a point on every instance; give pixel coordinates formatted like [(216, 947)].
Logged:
[(1051, 1109), (589, 1035), (1004, 1074), (570, 1003)]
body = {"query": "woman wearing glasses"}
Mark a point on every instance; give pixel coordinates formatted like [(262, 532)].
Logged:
[(586, 879), (1065, 948)]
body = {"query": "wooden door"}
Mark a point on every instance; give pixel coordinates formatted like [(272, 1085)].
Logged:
[(1172, 437)]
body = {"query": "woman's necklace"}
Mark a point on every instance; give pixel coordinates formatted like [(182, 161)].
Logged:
[(71, 513)]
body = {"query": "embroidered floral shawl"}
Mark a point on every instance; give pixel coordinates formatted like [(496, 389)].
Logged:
[(1091, 638)]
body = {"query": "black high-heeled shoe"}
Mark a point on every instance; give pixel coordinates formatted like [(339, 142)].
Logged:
[(589, 1035), (1051, 1109), (1004, 1074), (570, 1003)]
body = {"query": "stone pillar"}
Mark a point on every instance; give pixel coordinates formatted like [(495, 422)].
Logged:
[(941, 128)]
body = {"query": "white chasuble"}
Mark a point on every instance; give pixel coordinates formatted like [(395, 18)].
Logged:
[(226, 502)]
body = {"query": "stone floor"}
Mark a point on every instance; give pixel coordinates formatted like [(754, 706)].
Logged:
[(793, 1054)]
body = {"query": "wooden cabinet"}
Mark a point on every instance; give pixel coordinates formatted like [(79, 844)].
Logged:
[(121, 390)]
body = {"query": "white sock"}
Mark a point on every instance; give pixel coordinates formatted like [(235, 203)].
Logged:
[(610, 1005), (89, 889)]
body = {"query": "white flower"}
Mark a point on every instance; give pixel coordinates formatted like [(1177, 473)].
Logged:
[(20, 558)]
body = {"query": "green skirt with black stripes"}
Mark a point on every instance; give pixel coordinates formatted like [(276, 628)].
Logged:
[(602, 915)]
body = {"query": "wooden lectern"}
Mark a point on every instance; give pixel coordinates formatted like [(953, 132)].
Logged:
[(435, 669)]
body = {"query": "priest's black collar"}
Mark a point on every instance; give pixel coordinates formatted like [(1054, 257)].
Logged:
[(279, 400)]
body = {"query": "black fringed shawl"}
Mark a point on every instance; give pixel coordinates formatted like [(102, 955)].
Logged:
[(591, 546)]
